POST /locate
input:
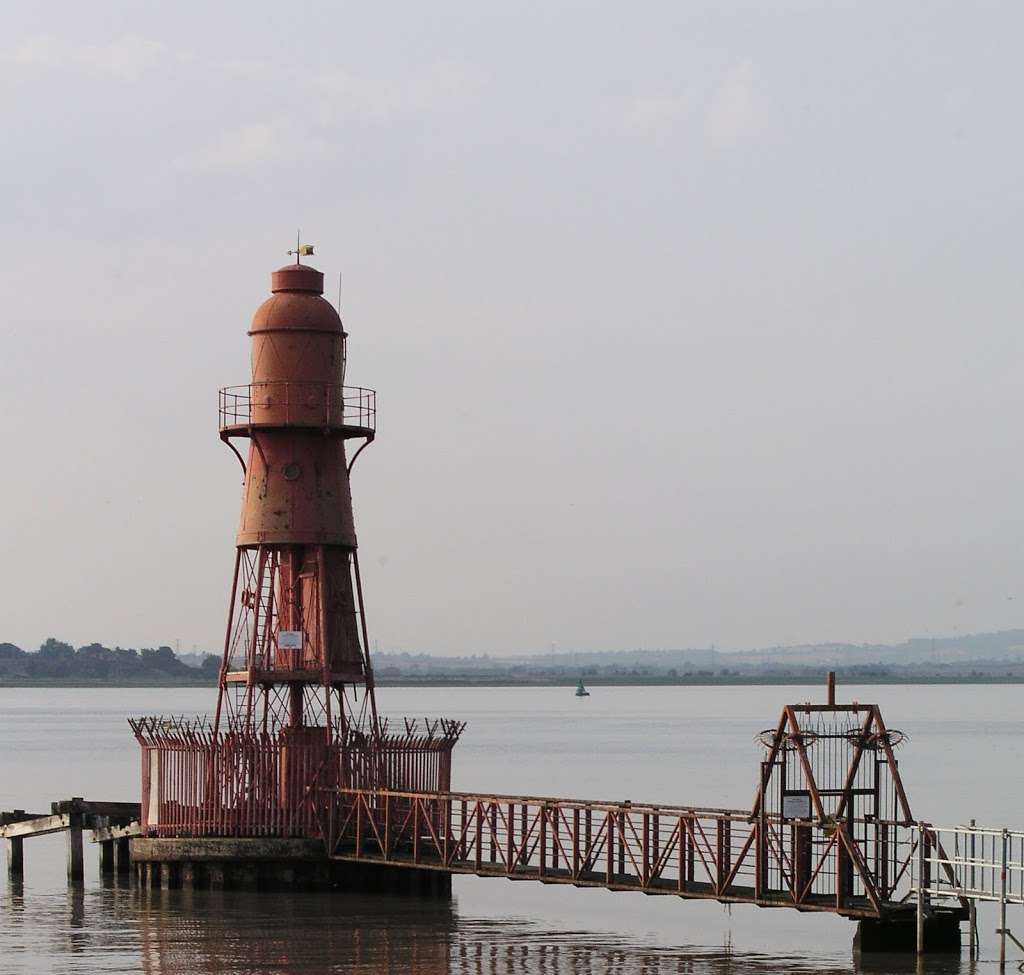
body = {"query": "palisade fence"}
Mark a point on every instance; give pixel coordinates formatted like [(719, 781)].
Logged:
[(243, 782)]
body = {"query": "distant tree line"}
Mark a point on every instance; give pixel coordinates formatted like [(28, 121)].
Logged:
[(395, 667), (55, 660), (94, 663)]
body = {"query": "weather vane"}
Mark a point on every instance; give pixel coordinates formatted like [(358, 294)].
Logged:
[(301, 250)]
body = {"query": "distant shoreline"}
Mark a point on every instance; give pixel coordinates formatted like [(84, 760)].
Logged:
[(709, 681), (980, 658)]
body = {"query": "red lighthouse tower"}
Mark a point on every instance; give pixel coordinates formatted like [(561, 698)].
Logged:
[(296, 648), (296, 719)]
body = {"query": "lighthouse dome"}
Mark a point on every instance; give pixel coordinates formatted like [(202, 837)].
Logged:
[(296, 303)]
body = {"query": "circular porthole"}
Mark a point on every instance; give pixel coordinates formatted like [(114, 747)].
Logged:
[(291, 471)]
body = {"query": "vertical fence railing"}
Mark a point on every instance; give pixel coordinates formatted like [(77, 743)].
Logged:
[(248, 783), (972, 864)]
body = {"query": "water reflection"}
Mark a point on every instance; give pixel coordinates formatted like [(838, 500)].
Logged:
[(585, 953), (111, 929), (219, 933), (116, 929)]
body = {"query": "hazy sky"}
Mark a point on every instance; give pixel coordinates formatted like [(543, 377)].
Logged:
[(690, 322)]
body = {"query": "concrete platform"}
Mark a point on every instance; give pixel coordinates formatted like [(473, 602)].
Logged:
[(270, 863), (892, 936)]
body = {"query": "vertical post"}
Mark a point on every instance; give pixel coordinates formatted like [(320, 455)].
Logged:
[(523, 833), (656, 864), (681, 855), (621, 830), (576, 843), (553, 819), (724, 849), (761, 846), (1002, 908), (972, 904), (645, 853), (543, 840), (15, 857), (691, 850), (465, 831), (831, 688), (609, 845), (494, 832), (920, 889), (359, 824), (803, 847), (446, 851), (510, 837), (106, 856), (122, 856), (882, 831), (76, 868), (169, 875), (844, 868), (415, 831), (588, 857), (188, 875), (478, 841)]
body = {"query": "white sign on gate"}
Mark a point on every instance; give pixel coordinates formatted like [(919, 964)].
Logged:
[(289, 640), (796, 805)]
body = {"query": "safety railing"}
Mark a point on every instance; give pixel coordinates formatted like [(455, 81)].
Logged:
[(715, 853), (987, 864), (970, 864), (304, 404)]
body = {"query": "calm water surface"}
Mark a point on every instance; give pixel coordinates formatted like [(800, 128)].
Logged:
[(671, 745)]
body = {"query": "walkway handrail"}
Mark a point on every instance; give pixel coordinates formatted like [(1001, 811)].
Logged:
[(989, 864), (858, 869)]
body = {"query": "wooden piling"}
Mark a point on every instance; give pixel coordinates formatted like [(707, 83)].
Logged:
[(122, 856), (245, 876), (215, 876), (106, 857), (15, 858), (76, 866), (169, 876)]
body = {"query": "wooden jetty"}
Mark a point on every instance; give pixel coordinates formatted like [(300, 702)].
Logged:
[(111, 824)]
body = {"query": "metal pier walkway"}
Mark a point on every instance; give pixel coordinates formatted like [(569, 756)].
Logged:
[(719, 854)]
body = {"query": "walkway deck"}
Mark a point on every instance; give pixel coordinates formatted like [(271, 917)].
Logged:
[(856, 869)]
